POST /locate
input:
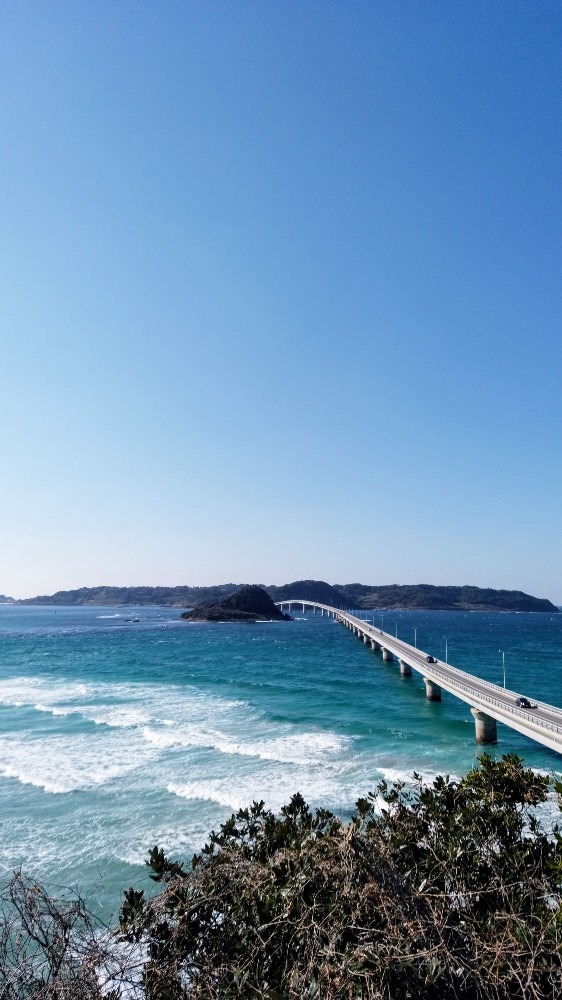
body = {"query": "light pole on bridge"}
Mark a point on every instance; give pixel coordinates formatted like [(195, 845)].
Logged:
[(416, 638), (502, 651), (445, 638)]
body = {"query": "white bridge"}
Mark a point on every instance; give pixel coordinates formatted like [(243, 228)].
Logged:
[(489, 703)]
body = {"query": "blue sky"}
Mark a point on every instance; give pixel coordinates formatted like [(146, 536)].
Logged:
[(280, 293)]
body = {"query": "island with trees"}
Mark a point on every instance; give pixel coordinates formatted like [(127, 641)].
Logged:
[(249, 604), (416, 597)]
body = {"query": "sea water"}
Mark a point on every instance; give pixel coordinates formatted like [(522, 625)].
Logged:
[(124, 728)]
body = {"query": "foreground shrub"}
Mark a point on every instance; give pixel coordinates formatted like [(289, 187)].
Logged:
[(448, 891), (51, 948)]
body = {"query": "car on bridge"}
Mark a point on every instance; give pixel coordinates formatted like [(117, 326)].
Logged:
[(524, 703), (431, 659)]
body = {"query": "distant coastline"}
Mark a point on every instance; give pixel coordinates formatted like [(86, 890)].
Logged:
[(421, 597)]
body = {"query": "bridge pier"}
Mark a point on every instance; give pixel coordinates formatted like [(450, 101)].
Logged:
[(486, 729), (405, 669), (432, 690), (374, 645), (365, 639), (387, 655)]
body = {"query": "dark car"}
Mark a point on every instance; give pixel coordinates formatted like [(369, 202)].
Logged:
[(524, 703), (431, 659)]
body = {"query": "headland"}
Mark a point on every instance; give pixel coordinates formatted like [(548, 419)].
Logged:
[(420, 597)]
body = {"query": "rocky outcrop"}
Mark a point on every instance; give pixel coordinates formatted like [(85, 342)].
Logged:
[(249, 604)]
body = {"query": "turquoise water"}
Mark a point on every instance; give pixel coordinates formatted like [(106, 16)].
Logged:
[(116, 735)]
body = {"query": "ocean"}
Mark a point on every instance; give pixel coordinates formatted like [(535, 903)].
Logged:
[(122, 728)]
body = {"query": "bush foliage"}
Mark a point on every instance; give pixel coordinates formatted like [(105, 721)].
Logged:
[(449, 891)]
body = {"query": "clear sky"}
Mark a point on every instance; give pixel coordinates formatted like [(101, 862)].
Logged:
[(280, 292)]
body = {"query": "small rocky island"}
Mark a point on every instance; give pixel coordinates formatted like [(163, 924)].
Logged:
[(249, 604)]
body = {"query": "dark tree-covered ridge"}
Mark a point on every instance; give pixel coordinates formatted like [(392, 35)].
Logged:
[(427, 597), (422, 596), (175, 597), (310, 590)]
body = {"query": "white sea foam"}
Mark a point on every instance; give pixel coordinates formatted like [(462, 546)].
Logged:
[(151, 723), (116, 705), (165, 739), (54, 709), (18, 691), (232, 794), (336, 787), (296, 748), (392, 774), (291, 747), (115, 716), (61, 764)]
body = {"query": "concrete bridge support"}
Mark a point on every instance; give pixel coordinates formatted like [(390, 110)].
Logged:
[(432, 690), (365, 639), (486, 730), (387, 655), (405, 669), (374, 645)]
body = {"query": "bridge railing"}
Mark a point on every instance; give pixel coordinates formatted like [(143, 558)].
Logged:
[(447, 679), (451, 681), (489, 700), (454, 678)]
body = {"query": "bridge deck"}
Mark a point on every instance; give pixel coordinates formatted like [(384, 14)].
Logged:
[(542, 724)]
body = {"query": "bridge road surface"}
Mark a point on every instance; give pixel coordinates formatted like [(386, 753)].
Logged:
[(542, 724)]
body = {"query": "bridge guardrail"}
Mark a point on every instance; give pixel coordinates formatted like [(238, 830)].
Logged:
[(481, 680), (447, 680)]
